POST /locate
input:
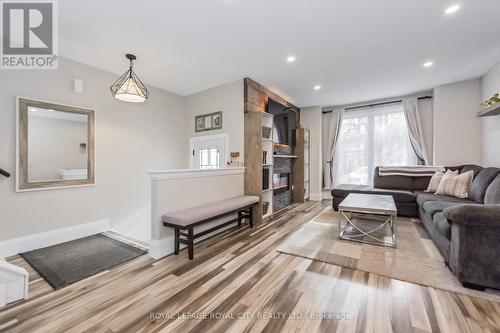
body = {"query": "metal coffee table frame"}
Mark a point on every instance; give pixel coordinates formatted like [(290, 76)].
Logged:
[(384, 216)]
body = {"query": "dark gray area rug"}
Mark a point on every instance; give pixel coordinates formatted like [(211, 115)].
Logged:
[(66, 263)]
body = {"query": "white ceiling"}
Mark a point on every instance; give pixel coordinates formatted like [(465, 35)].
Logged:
[(356, 50)]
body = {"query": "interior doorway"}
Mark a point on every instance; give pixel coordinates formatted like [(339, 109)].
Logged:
[(209, 151)]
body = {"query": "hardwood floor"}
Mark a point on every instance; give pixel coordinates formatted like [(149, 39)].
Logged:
[(238, 283)]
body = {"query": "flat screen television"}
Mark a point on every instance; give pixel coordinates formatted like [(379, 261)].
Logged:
[(285, 123)]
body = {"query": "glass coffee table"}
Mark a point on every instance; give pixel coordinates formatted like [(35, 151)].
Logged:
[(367, 217)]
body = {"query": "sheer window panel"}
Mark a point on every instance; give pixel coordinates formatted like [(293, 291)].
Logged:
[(368, 138)]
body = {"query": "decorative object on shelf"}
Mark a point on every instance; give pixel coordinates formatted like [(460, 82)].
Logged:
[(493, 100), (129, 87), (264, 157), (265, 207), (265, 179), (234, 160), (266, 132), (207, 122)]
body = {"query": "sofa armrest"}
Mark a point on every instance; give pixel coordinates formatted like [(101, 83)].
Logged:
[(485, 215)]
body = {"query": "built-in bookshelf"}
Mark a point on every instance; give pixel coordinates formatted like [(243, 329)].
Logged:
[(267, 122), (261, 172)]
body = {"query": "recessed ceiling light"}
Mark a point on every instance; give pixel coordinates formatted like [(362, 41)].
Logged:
[(290, 59), (317, 87), (452, 9), (428, 64)]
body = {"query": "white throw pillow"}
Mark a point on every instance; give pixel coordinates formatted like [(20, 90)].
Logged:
[(457, 186), (434, 183)]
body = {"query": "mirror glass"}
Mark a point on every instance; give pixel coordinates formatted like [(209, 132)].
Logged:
[(54, 146), (57, 145)]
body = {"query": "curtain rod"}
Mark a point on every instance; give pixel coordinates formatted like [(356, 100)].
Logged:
[(377, 104)]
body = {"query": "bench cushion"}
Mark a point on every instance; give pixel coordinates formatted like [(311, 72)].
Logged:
[(192, 215)]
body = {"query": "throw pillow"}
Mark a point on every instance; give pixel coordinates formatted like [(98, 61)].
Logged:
[(448, 174), (434, 183), (457, 186)]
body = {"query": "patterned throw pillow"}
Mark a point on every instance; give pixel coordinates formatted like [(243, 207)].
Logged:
[(458, 186), (434, 183)]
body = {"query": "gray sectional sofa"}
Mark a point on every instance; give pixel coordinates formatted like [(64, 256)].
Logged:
[(466, 231)]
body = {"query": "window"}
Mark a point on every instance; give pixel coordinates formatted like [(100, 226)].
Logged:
[(209, 151), (209, 158), (368, 138)]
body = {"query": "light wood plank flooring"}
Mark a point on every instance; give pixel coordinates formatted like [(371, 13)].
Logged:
[(239, 283)]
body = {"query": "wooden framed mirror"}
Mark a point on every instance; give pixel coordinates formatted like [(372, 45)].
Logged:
[(54, 146)]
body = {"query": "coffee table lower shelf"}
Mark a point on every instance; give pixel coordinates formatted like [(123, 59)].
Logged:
[(366, 236)]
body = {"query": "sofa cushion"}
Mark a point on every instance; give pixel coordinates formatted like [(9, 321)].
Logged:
[(421, 183), (424, 197), (481, 183), (433, 207), (392, 182), (492, 195), (472, 167), (442, 225), (399, 196)]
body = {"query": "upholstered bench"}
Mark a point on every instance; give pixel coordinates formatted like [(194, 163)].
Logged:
[(196, 216)]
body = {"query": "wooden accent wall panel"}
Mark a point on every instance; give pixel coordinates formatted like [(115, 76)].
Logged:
[(253, 156)]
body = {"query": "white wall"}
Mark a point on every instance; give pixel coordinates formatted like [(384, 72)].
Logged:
[(457, 130), (174, 190), (311, 118), (130, 140), (227, 98), (490, 133)]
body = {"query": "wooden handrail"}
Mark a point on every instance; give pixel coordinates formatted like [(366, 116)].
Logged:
[(4, 173)]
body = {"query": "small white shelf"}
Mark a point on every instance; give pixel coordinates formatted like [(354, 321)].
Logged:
[(266, 139), (267, 165), (267, 114), (269, 189)]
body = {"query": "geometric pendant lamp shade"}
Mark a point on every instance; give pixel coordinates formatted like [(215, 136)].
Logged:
[(129, 87)]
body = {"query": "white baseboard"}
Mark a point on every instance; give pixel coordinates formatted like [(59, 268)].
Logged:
[(31, 242)]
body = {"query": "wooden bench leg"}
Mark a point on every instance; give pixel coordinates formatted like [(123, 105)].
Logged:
[(190, 243), (176, 242), (250, 217)]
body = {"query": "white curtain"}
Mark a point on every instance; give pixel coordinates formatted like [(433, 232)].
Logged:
[(415, 130), (333, 133)]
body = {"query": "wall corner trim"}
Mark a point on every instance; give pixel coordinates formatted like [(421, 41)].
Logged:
[(159, 248)]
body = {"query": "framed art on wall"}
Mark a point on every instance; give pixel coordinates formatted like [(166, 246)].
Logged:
[(207, 122)]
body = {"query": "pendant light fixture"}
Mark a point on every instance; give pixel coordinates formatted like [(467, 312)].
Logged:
[(129, 87)]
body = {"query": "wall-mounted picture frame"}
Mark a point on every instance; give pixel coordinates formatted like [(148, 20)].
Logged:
[(208, 122)]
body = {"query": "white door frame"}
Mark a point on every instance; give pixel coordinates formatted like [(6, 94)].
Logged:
[(193, 139)]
